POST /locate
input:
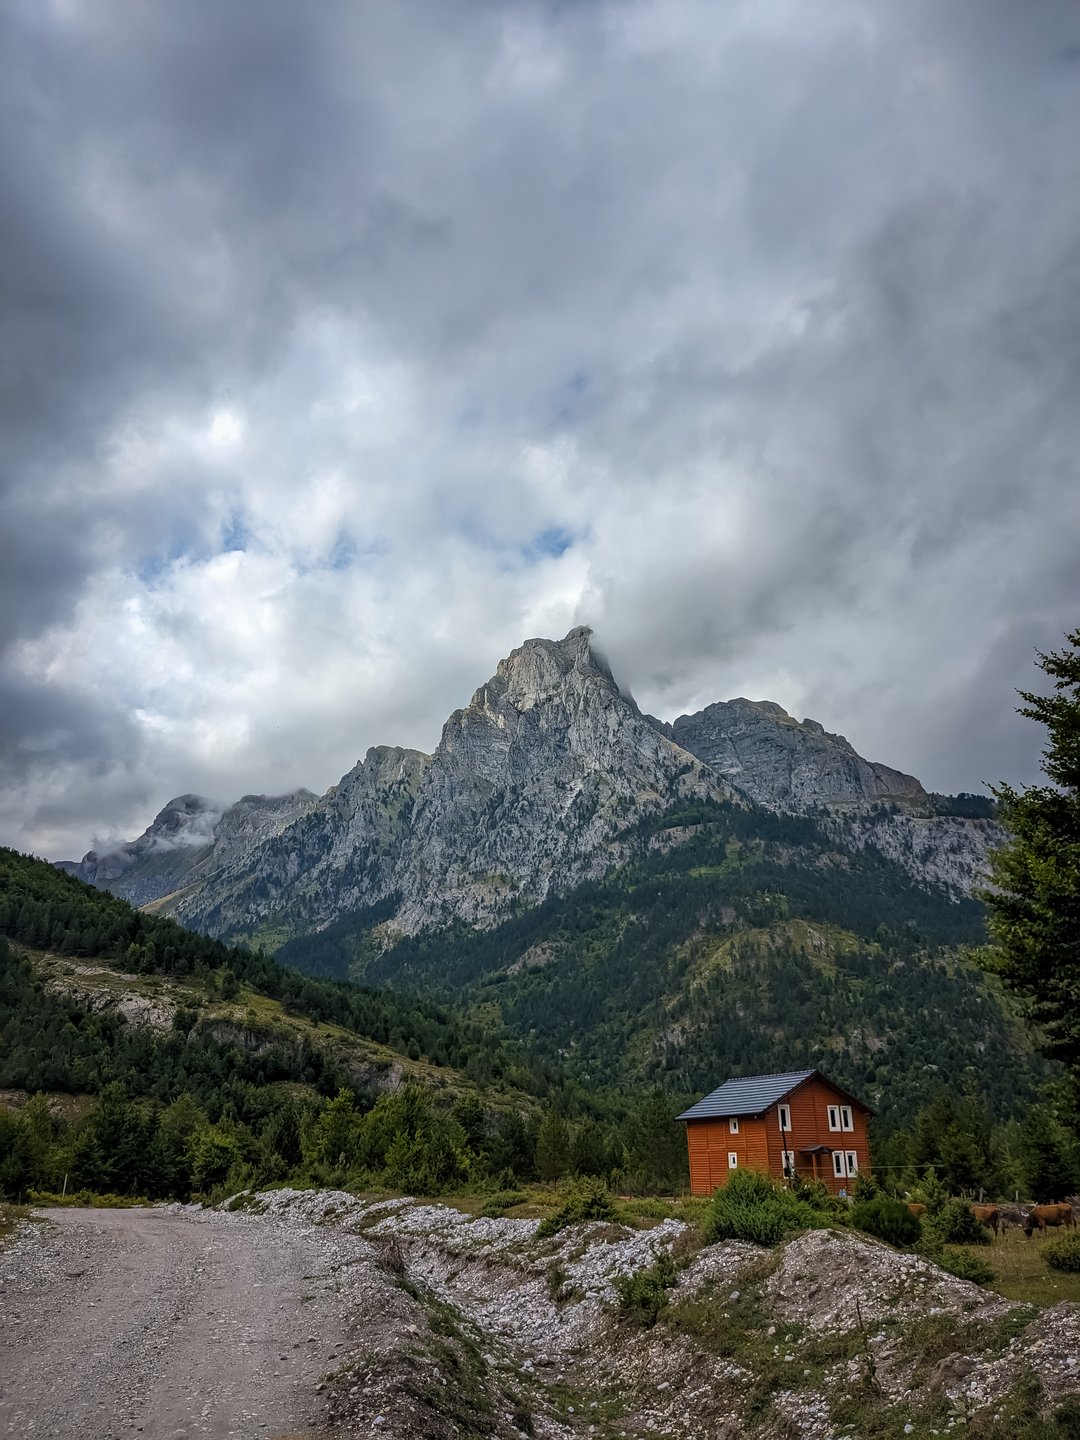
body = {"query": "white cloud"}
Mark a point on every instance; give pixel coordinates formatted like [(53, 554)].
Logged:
[(746, 335)]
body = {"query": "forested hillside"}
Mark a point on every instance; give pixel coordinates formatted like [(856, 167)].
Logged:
[(169, 1064), (742, 942), (236, 1082)]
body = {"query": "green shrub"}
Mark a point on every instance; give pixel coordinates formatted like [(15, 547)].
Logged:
[(817, 1195), (1063, 1253), (955, 1224), (87, 1199), (966, 1266), (642, 1295), (503, 1200), (866, 1188), (930, 1192), (586, 1200), (751, 1206), (889, 1220)]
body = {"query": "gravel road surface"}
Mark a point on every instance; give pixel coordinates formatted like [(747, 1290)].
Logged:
[(115, 1323)]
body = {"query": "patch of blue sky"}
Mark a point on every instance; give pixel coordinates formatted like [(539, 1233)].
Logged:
[(345, 553), (152, 568), (235, 535), (567, 399), (548, 544)]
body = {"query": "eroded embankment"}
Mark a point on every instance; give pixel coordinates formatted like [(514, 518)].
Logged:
[(318, 1314), (467, 1326)]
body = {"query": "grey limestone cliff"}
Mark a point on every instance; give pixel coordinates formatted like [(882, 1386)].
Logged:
[(526, 792), (532, 789), (184, 841), (784, 763)]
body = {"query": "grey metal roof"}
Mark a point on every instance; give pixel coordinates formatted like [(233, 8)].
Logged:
[(749, 1095)]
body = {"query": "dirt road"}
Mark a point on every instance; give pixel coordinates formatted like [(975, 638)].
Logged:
[(116, 1323)]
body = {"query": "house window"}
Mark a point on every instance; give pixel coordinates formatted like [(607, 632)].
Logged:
[(733, 1126), (732, 1160), (834, 1117), (846, 1122), (852, 1163), (784, 1112), (789, 1164), (839, 1168)]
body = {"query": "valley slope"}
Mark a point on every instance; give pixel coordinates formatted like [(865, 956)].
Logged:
[(642, 902)]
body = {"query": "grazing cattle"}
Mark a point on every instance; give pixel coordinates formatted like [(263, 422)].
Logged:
[(987, 1215), (1044, 1217), (916, 1208), (1010, 1215)]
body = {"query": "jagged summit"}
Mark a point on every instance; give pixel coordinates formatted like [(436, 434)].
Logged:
[(532, 789), (539, 669)]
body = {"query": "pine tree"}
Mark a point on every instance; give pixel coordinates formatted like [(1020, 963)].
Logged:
[(553, 1147), (1035, 900), (1049, 1156)]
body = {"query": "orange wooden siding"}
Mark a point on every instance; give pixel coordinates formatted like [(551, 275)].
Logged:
[(759, 1145), (711, 1142)]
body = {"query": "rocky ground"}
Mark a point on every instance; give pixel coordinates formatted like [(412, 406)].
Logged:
[(318, 1314)]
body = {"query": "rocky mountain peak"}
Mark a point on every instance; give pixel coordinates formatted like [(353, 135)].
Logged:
[(541, 670), (534, 787), (186, 820), (784, 763)]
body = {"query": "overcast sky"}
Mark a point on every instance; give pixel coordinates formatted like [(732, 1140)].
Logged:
[(346, 345)]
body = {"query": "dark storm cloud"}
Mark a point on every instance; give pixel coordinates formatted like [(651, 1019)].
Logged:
[(345, 345)]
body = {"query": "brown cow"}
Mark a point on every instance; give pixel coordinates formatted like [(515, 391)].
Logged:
[(1043, 1217), (916, 1208), (987, 1215)]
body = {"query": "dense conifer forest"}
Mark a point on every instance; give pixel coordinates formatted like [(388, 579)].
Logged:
[(576, 1065), (742, 941)]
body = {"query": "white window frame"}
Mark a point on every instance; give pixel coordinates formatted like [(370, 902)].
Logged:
[(733, 1125), (787, 1162), (839, 1165), (834, 1117), (852, 1158), (732, 1159), (846, 1120), (783, 1114)]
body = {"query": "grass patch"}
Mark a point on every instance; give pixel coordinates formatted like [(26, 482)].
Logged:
[(589, 1200), (1022, 1273), (502, 1201), (247, 1201), (88, 1200), (735, 1323), (641, 1296), (11, 1216), (460, 1394), (605, 1410)]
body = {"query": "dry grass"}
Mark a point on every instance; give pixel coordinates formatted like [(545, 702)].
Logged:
[(1022, 1273)]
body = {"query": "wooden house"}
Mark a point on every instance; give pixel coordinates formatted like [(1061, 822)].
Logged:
[(798, 1123)]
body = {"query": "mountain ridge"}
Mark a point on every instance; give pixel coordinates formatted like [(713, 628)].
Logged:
[(532, 789)]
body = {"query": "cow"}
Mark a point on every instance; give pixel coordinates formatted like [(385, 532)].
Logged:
[(1044, 1217), (916, 1208), (987, 1215)]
